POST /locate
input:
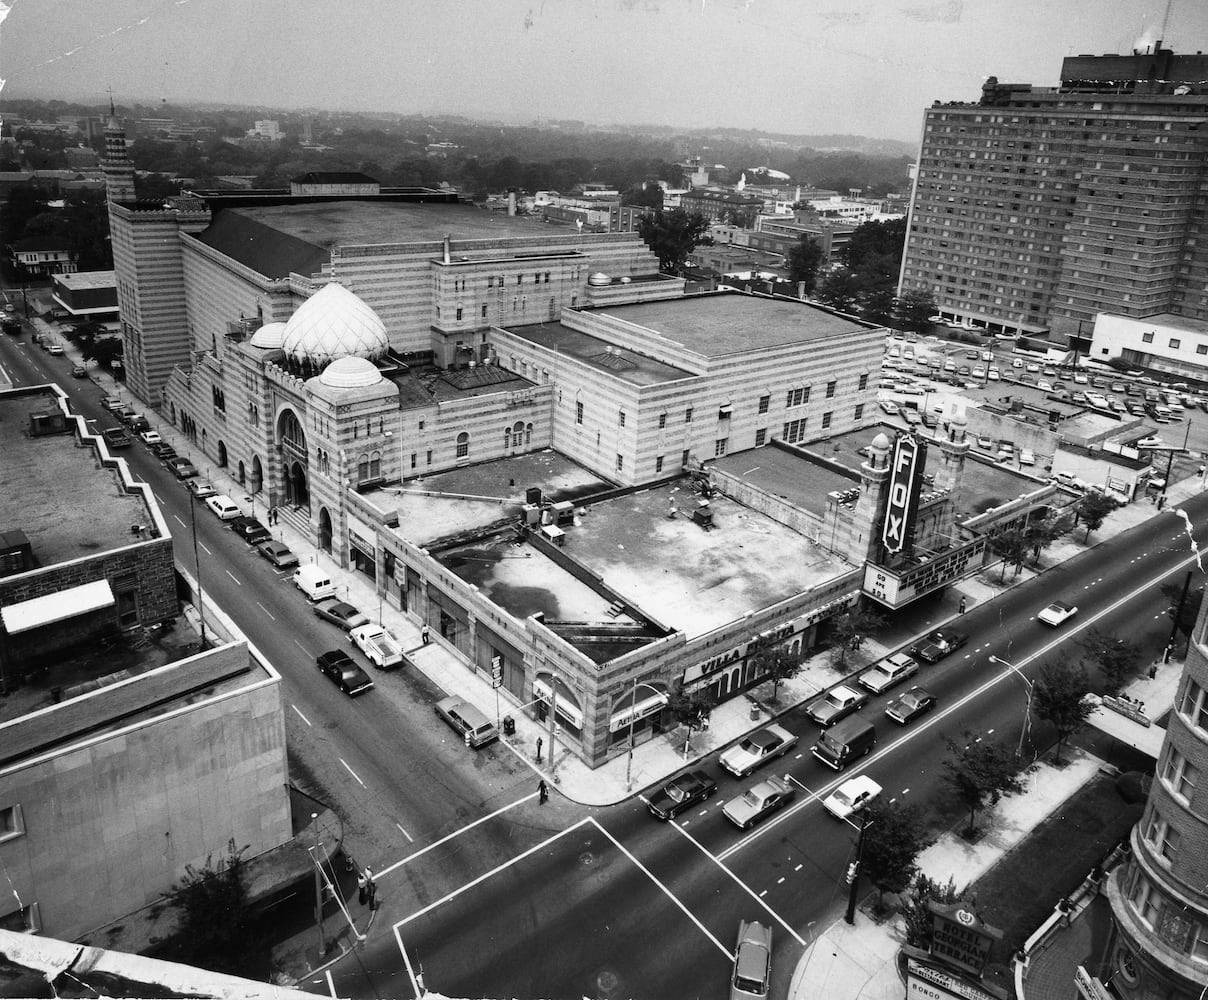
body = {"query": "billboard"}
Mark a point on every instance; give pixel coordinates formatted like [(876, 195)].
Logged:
[(902, 500)]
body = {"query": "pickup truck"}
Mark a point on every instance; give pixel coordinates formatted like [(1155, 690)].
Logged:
[(379, 645)]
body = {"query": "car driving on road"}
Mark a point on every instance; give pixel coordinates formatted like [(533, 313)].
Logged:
[(851, 796), (752, 975), (756, 749), (838, 703), (682, 793), (937, 645), (894, 669), (340, 668), (760, 800), (1057, 613), (910, 705)]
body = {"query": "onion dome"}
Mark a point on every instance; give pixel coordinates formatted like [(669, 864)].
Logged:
[(332, 324), (599, 278), (350, 373), (269, 337), (881, 443)]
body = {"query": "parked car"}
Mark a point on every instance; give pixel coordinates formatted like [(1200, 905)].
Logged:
[(150, 437), (278, 553), (937, 645), (909, 705), (1057, 613), (894, 669), (79, 371), (760, 800), (752, 976), (756, 749), (111, 403), (163, 451), (250, 530), (339, 613), (182, 468), (200, 489), (55, 349), (889, 406), (680, 794), (851, 796), (838, 703), (380, 647), (339, 667), (223, 507), (1027, 456)]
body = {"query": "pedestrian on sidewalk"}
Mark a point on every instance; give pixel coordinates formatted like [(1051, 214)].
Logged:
[(961, 610), (424, 635), (362, 888), (539, 744), (542, 792)]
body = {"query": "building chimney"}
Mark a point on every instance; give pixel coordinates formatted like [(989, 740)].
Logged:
[(448, 238), (511, 201)]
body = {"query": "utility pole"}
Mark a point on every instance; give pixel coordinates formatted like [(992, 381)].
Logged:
[(314, 857), (201, 611), (853, 871)]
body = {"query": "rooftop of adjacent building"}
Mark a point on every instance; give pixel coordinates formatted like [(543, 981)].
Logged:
[(80, 280), (55, 489), (622, 363)]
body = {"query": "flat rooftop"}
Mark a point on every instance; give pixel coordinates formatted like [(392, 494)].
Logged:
[(55, 489), (637, 369), (87, 279), (673, 569), (793, 478), (719, 323), (449, 503)]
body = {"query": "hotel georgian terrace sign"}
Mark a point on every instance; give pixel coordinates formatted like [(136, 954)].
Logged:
[(905, 475)]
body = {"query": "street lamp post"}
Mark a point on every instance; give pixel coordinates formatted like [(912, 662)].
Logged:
[(1027, 714), (633, 712), (201, 611)]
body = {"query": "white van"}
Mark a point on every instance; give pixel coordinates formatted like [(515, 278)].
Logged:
[(314, 582)]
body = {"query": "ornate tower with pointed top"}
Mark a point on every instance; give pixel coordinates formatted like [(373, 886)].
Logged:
[(119, 170)]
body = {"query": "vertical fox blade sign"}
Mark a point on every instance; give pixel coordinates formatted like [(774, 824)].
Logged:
[(905, 472)]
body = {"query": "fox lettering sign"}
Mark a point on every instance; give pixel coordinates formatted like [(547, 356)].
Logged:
[(905, 472)]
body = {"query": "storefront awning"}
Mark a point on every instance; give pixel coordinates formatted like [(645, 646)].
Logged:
[(564, 707), (649, 705), (56, 607)]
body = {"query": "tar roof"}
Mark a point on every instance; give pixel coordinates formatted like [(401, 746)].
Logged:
[(623, 364), (67, 504), (789, 475), (720, 323)]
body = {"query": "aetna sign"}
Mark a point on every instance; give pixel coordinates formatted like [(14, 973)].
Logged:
[(906, 473)]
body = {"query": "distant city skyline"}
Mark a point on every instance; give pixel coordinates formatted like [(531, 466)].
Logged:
[(866, 67)]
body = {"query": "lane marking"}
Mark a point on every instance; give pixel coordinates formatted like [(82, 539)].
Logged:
[(179, 521), (233, 577), (352, 772), (266, 611), (410, 838), (203, 546), (300, 715), (301, 647)]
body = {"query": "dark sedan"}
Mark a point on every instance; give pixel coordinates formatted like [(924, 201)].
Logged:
[(340, 613), (250, 530), (182, 468), (937, 645), (680, 794), (910, 705), (348, 677)]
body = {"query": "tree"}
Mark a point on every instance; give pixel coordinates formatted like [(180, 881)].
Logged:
[(913, 309), (1116, 659), (771, 658), (1011, 545), (1182, 618), (1043, 531), (849, 631), (673, 235), (648, 195), (804, 259), (980, 773), (877, 304), (876, 245), (1059, 697), (839, 289), (894, 837), (1093, 509), (213, 923), (916, 913), (690, 709)]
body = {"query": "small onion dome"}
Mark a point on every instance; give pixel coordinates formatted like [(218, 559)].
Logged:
[(599, 278), (350, 373), (333, 323), (269, 337), (881, 443)]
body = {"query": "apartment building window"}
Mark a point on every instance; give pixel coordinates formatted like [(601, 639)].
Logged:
[(414, 459), (764, 403), (662, 420), (830, 389), (484, 310), (826, 419), (1145, 901), (761, 437), (688, 415), (798, 396), (429, 456), (1174, 343), (1163, 839), (1201, 348), (719, 447), (658, 463), (859, 414), (1147, 338), (459, 312), (621, 417), (620, 462), (11, 823), (1179, 774), (1194, 706), (863, 382), (578, 413), (463, 445)]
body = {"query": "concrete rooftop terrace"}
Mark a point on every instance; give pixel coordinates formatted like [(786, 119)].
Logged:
[(685, 577), (369, 222), (784, 474), (449, 503), (634, 368), (55, 489), (715, 324)]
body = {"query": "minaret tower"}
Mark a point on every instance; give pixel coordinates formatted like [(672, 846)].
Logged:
[(118, 169)]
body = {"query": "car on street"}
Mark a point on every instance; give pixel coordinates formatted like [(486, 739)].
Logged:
[(1150, 442), (937, 645), (752, 974), (162, 450), (838, 703), (55, 349), (150, 437), (340, 613), (181, 467), (760, 800), (201, 489), (682, 793), (757, 748), (910, 705), (278, 553), (250, 530), (79, 371), (1027, 456), (851, 796), (894, 669), (116, 437), (340, 668), (1057, 613), (111, 404), (223, 507)]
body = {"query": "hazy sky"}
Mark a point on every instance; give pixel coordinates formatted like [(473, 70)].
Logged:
[(866, 67)]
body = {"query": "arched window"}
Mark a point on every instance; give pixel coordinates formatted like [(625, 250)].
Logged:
[(463, 445), (528, 434), (362, 468), (507, 437), (375, 465)]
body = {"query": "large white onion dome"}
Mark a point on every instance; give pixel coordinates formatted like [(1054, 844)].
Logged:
[(333, 323), (269, 337), (351, 373)]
